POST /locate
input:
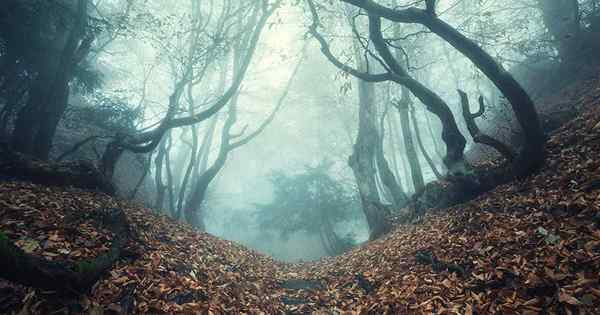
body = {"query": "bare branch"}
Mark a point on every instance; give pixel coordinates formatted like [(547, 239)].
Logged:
[(313, 30), (477, 135)]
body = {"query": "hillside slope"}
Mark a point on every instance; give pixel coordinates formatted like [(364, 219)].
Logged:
[(526, 247)]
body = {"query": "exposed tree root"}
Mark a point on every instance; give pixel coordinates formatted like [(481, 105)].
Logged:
[(79, 174), (427, 258), (68, 279)]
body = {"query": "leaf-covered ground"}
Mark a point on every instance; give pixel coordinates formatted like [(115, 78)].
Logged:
[(525, 248)]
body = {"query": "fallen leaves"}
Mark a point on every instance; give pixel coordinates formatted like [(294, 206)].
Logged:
[(526, 247)]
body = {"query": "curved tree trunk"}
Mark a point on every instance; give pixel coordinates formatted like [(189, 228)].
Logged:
[(362, 162), (193, 206), (532, 155), (147, 141)]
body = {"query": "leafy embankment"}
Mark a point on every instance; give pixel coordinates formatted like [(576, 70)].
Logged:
[(526, 247)]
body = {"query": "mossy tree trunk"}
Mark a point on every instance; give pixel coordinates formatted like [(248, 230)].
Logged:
[(67, 279)]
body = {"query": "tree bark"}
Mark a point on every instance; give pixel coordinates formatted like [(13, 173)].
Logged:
[(430, 162), (147, 141), (159, 162), (532, 155), (37, 121), (478, 136), (74, 173), (362, 162), (416, 172)]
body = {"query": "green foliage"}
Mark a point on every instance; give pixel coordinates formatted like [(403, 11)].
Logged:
[(308, 201)]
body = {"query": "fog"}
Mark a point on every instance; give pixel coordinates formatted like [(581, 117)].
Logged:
[(296, 115), (317, 121)]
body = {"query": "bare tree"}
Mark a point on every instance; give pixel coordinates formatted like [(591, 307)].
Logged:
[(146, 141), (229, 142), (532, 154)]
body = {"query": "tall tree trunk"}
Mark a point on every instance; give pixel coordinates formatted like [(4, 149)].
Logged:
[(170, 182), (392, 144), (140, 182), (363, 158), (159, 163), (430, 162), (37, 122), (188, 171), (362, 161), (433, 135), (391, 182), (416, 172)]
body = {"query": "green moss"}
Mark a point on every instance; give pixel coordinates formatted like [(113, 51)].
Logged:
[(6, 245), (85, 267)]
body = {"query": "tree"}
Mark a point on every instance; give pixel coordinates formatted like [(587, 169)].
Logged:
[(310, 201), (229, 142), (390, 180), (532, 154), (426, 155), (62, 31), (403, 107), (203, 55), (472, 181)]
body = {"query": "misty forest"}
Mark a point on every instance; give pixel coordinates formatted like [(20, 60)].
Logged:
[(299, 157)]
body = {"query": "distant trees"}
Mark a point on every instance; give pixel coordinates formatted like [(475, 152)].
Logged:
[(367, 161), (209, 45), (216, 55), (309, 201), (229, 142), (531, 154)]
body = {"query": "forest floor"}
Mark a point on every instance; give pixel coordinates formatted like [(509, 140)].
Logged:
[(527, 247)]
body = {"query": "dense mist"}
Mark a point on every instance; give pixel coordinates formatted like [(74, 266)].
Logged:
[(292, 127)]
